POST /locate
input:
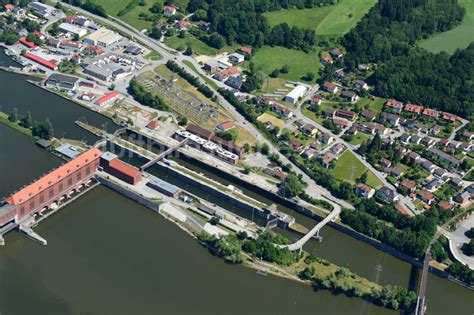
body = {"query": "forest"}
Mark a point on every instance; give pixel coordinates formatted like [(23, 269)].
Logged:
[(242, 22), (388, 35)]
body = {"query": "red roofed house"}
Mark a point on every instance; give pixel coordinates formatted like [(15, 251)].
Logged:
[(169, 10), (330, 87), (27, 43), (450, 117), (125, 172), (182, 25), (315, 101), (94, 50), (445, 205), (364, 191), (327, 59), (408, 185), (108, 98), (402, 210), (245, 50), (153, 125), (224, 74), (396, 106), (426, 196), (417, 109), (53, 187), (50, 64), (226, 125), (8, 7), (431, 113)]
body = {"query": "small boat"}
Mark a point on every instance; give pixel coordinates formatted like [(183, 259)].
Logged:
[(261, 273)]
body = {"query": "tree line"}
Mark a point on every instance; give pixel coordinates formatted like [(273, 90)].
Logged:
[(204, 89), (40, 129), (90, 6)]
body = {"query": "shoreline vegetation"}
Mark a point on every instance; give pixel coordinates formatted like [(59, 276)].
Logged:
[(262, 254)]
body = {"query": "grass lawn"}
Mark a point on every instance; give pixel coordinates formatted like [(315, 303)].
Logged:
[(300, 63), (209, 81), (243, 137), (374, 105), (275, 121), (349, 168), (359, 138), (334, 20), (459, 37), (198, 46)]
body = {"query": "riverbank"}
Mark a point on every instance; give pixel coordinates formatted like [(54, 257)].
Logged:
[(14, 125)]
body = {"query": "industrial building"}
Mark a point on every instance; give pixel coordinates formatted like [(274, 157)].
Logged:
[(40, 9), (102, 37), (108, 98), (49, 190), (295, 94), (61, 81), (164, 187), (72, 29), (50, 64), (123, 171)]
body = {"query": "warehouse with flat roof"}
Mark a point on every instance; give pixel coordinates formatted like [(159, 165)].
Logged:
[(102, 37), (163, 187)]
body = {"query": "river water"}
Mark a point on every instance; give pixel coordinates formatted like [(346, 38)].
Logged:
[(106, 254)]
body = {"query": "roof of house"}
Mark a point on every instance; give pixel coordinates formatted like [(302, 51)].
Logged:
[(408, 184), (26, 42), (445, 205), (153, 124), (199, 131), (426, 195), (107, 97), (394, 103), (364, 187), (413, 108), (53, 177), (51, 64), (368, 113), (402, 209), (228, 124)]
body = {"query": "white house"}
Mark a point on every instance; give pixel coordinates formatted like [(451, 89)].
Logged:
[(236, 58)]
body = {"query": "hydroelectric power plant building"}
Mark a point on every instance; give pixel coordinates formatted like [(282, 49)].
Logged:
[(48, 191)]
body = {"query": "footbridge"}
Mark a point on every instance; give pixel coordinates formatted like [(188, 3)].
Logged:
[(163, 154), (421, 303), (299, 243)]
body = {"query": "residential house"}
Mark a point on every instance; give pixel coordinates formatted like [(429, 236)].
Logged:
[(463, 197), (282, 110), (385, 163), (226, 73), (329, 112), (353, 130), (415, 139), (245, 50), (315, 101), (235, 82), (440, 173), (394, 105), (351, 96), (451, 160), (395, 171), (364, 191), (455, 181), (211, 65), (169, 10), (297, 146), (435, 129), (326, 59), (325, 138), (414, 157), (341, 123), (433, 185), (468, 135), (402, 210), (153, 125), (428, 166), (204, 25), (330, 87), (450, 117), (346, 114), (309, 130), (337, 149), (360, 85), (326, 160), (336, 53), (430, 113), (427, 141), (380, 130), (368, 114), (387, 195), (226, 125), (405, 137), (182, 25), (426, 196), (445, 205), (443, 142), (391, 119), (408, 185), (416, 109), (308, 153), (413, 124)]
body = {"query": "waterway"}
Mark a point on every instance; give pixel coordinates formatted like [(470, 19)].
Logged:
[(106, 254)]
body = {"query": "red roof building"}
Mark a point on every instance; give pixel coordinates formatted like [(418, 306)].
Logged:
[(153, 125), (245, 50), (402, 210), (121, 170), (413, 108), (226, 125), (27, 43), (428, 112), (108, 98), (50, 64), (395, 105)]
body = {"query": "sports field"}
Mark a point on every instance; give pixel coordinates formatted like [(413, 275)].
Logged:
[(459, 37), (271, 58), (349, 168), (334, 20)]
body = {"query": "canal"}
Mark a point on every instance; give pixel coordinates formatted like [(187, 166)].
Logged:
[(109, 255)]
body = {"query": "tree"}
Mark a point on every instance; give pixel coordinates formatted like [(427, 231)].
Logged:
[(155, 33), (264, 149), (26, 120), (182, 34), (363, 178), (183, 121), (285, 69), (216, 41), (156, 8), (309, 76), (468, 248), (188, 51), (142, 3), (13, 116), (275, 73), (292, 186)]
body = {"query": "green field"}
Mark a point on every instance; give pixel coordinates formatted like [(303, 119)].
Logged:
[(459, 37), (271, 58), (349, 168), (359, 138), (112, 7), (334, 20)]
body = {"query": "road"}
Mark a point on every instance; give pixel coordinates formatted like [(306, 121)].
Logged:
[(403, 200), (313, 189)]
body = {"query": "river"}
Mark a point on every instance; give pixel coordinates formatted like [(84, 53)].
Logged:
[(106, 254)]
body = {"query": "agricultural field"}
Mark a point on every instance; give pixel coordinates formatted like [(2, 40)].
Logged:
[(459, 37), (349, 168), (334, 20), (271, 58)]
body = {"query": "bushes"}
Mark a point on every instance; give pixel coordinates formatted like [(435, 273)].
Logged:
[(130, 6)]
